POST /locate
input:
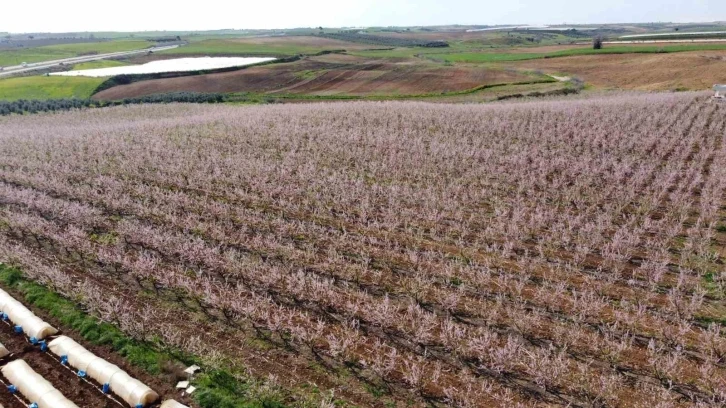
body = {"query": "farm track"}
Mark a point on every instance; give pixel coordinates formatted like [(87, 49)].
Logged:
[(447, 294)]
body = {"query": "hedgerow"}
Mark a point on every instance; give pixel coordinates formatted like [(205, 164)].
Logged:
[(23, 106), (381, 40)]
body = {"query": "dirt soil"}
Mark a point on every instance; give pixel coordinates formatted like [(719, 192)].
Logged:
[(7, 400), (85, 394), (66, 381), (649, 72), (328, 75)]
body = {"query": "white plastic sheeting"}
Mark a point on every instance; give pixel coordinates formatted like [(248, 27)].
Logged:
[(132, 391), (3, 353), (170, 404), (34, 387), (32, 325)]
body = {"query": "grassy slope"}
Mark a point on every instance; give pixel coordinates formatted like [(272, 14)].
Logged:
[(53, 52), (230, 47), (649, 49), (217, 388), (674, 36), (460, 51), (48, 87), (534, 81)]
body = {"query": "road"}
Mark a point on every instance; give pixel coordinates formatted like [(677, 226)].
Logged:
[(17, 69)]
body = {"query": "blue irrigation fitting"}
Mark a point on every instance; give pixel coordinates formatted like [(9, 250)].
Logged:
[(139, 406), (33, 405), (64, 360), (33, 341), (5, 316), (18, 329), (43, 346), (82, 374), (13, 389), (106, 388)]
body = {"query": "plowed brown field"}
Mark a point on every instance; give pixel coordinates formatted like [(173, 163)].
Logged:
[(690, 70), (338, 75)]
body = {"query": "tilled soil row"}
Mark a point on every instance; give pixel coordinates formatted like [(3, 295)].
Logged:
[(64, 379)]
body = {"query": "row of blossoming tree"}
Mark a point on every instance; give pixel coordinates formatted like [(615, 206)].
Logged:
[(553, 252)]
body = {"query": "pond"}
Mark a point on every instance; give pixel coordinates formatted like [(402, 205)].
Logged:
[(170, 65)]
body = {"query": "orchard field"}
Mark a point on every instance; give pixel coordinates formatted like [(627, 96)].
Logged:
[(550, 253)]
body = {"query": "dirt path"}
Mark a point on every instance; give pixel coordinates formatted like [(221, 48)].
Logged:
[(696, 70)]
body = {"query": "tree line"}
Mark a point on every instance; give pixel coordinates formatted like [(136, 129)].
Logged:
[(23, 106), (381, 40)]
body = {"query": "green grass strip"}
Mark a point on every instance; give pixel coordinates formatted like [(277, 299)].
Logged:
[(47, 87), (609, 50), (216, 388)]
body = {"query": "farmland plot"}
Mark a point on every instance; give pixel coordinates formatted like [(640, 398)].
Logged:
[(543, 253), (329, 75)]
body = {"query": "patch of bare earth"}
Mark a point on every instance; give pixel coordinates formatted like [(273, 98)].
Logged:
[(651, 72)]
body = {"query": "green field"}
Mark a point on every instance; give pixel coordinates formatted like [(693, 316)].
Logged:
[(236, 47), (53, 52), (497, 57), (674, 36), (485, 57), (99, 64), (489, 50), (403, 52), (48, 87)]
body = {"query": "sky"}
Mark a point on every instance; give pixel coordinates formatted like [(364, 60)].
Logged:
[(141, 15)]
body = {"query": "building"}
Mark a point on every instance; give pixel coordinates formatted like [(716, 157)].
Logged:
[(720, 91)]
